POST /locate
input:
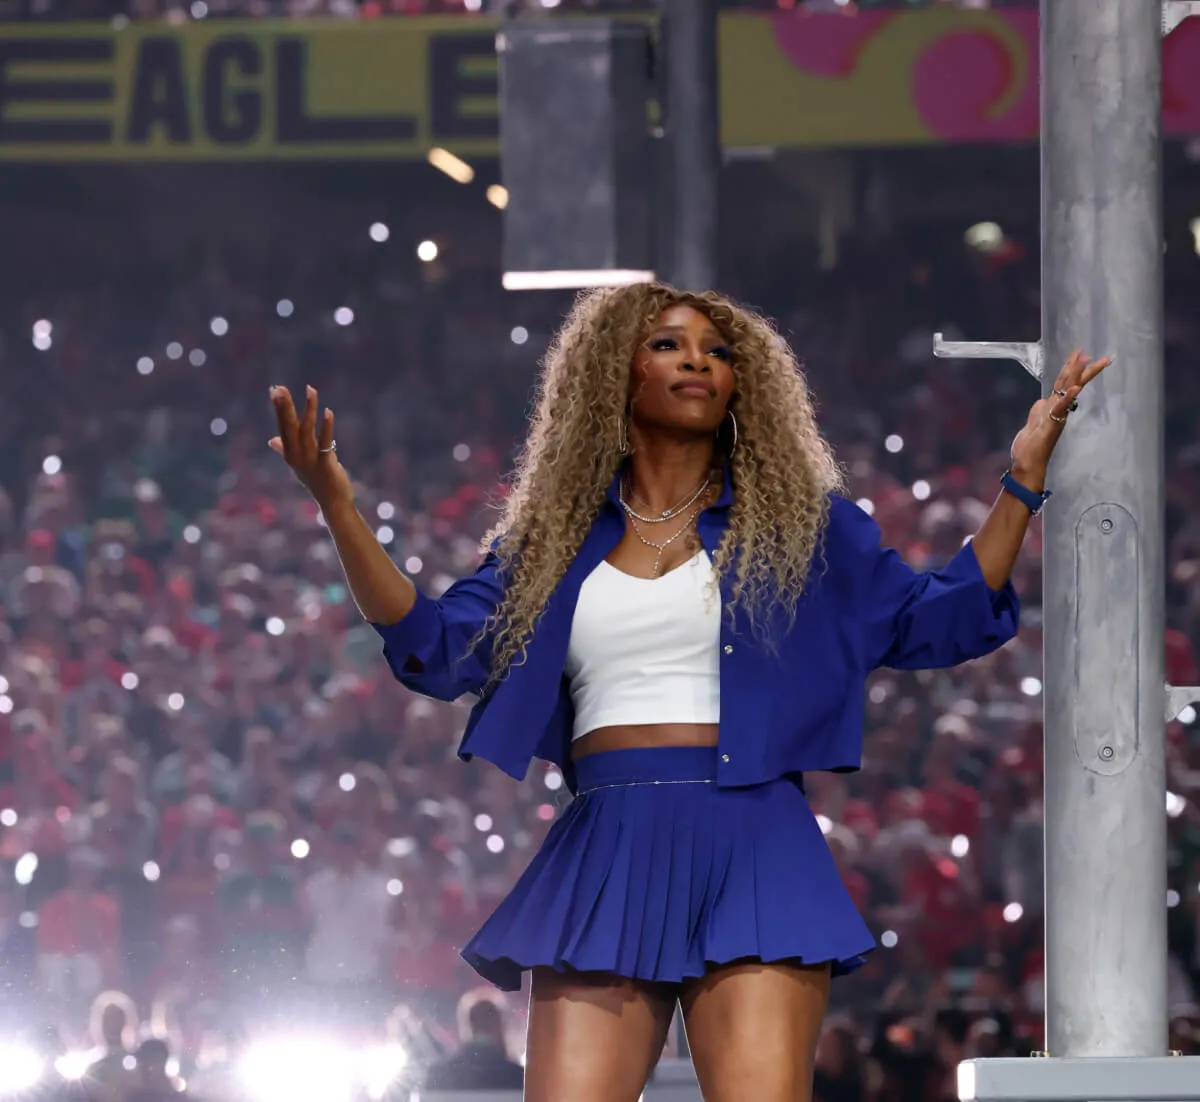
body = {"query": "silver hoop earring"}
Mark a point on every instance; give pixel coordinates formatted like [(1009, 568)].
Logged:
[(733, 446), (623, 436)]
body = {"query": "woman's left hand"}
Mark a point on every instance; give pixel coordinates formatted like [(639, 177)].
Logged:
[(1034, 444)]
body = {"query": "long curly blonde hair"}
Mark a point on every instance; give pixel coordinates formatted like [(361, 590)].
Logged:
[(782, 468)]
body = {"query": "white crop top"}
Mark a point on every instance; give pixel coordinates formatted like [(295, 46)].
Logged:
[(646, 650)]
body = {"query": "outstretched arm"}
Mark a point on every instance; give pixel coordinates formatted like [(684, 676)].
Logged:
[(998, 542)]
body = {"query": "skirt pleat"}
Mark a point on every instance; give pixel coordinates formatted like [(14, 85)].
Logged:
[(654, 873)]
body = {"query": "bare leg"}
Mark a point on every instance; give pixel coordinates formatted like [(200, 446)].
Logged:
[(593, 1037), (753, 1030)]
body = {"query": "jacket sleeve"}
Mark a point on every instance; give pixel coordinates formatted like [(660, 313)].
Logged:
[(427, 650), (915, 620)]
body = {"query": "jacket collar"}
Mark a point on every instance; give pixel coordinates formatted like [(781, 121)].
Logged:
[(724, 500)]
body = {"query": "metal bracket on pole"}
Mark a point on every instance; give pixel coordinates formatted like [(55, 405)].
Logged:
[(1179, 697), (1098, 1079), (1175, 12), (1028, 354)]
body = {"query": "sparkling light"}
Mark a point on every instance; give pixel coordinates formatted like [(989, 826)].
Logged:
[(455, 167), (219, 327), (197, 357), (1187, 714), (921, 489), (825, 823), (199, 9), (175, 702), (985, 236), (545, 812), (1013, 912), (385, 510), (191, 534), (960, 845), (1172, 898), (519, 335), (25, 868), (894, 443), (275, 626), (483, 823), (151, 871), (554, 780), (866, 505), (495, 843), (889, 939), (497, 196), (130, 680), (8, 817), (1031, 686), (462, 452), (285, 308), (395, 886), (1176, 805), (52, 464), (347, 782), (427, 251), (385, 534), (145, 365), (413, 564), (343, 315), (300, 849), (218, 426), (174, 350), (379, 232)]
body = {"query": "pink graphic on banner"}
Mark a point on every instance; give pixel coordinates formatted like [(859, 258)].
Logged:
[(827, 45), (970, 85)]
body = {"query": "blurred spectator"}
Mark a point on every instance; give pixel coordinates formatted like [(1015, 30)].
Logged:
[(109, 1074), (348, 911), (78, 938), (152, 1082), (481, 1062)]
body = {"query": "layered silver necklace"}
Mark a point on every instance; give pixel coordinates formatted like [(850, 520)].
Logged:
[(667, 514)]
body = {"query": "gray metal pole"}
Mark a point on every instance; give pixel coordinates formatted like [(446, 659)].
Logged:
[(1102, 241), (692, 132)]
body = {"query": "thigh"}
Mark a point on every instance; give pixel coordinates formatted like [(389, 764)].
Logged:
[(592, 1037), (753, 1030)]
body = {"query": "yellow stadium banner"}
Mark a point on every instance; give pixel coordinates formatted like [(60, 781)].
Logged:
[(248, 90), (394, 88)]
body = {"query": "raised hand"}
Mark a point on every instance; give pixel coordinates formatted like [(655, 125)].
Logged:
[(311, 454), (1034, 444)]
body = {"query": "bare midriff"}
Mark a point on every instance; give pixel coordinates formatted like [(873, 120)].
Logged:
[(644, 735)]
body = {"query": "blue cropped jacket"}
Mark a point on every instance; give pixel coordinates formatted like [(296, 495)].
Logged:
[(790, 710)]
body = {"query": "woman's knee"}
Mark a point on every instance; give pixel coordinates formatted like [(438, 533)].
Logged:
[(593, 1037)]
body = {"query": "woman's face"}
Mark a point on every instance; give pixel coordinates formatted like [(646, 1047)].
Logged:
[(682, 379)]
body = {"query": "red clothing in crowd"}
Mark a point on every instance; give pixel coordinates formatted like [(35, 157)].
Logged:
[(72, 923)]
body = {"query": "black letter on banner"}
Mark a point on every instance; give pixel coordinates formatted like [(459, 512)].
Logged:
[(159, 97), (449, 86), (231, 116), (293, 122), (48, 130)]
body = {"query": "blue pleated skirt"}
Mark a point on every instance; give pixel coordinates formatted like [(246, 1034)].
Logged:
[(655, 873)]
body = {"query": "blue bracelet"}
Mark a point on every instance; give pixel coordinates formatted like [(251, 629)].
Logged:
[(1030, 499)]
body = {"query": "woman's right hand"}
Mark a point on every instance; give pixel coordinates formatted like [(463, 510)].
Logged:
[(310, 453)]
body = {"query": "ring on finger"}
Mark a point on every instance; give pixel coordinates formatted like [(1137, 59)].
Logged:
[(1060, 393), (1057, 420), (332, 448)]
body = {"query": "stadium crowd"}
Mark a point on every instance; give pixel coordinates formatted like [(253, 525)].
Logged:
[(221, 818)]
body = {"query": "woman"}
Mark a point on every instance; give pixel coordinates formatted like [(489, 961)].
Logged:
[(679, 610)]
